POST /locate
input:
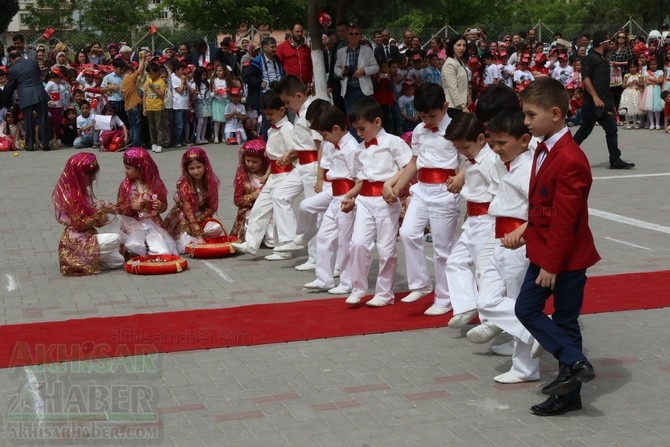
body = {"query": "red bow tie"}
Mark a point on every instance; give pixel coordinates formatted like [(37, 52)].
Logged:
[(507, 165), (472, 160), (337, 146), (274, 127), (370, 143), (433, 129)]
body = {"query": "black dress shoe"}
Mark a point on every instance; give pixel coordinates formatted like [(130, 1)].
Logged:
[(620, 164), (556, 405), (570, 377)]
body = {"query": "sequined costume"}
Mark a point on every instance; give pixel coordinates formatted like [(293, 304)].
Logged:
[(246, 184)]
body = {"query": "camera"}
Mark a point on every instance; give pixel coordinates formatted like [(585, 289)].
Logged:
[(272, 85)]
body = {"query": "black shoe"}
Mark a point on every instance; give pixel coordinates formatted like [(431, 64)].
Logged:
[(620, 164), (556, 405), (569, 378)]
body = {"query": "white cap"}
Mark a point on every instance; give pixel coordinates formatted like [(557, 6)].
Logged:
[(125, 49), (654, 34)]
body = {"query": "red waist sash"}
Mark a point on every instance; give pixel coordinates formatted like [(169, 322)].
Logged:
[(505, 225), (341, 186), (306, 157), (478, 209), (276, 169), (435, 175), (371, 189)]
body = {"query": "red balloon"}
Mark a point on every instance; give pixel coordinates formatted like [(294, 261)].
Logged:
[(324, 19)]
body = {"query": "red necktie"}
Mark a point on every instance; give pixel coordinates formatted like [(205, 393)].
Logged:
[(370, 143), (472, 160), (507, 165)]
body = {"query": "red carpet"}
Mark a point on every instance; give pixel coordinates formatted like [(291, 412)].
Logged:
[(89, 338)]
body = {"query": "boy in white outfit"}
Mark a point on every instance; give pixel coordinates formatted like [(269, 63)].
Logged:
[(501, 279)]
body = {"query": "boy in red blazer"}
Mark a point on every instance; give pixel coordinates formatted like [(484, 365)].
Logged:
[(559, 244)]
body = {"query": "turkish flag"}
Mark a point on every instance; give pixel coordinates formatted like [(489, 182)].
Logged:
[(153, 29), (48, 33)]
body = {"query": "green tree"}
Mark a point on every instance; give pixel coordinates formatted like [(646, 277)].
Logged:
[(229, 15), (9, 9), (116, 16), (50, 13)]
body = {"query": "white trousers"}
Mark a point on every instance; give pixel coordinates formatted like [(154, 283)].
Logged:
[(375, 222), (332, 244), (261, 213), (307, 174), (469, 251), (434, 205), (110, 257), (212, 229), (499, 286), (310, 210)]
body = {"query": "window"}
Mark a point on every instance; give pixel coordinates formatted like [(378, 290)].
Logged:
[(24, 18), (165, 15), (156, 2)]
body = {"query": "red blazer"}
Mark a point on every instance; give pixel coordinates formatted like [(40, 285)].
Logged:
[(558, 237)]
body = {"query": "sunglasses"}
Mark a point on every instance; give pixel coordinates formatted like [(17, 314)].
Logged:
[(354, 34)]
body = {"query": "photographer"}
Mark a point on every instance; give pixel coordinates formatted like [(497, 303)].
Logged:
[(262, 74)]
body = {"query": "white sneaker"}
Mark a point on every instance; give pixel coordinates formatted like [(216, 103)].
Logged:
[(317, 285), (291, 246), (416, 295), (378, 302), (216, 141), (436, 310), (153, 148), (243, 248), (307, 266), (158, 149), (463, 319), (353, 299), (339, 290), (505, 349), (278, 256), (510, 377), (483, 333), (536, 350)]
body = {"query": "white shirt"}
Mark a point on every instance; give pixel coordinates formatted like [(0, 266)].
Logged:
[(522, 76), (280, 140), (234, 124), (512, 197), (383, 160), (491, 73), (342, 161), (432, 149), (179, 100), (483, 177), (549, 143), (304, 136), (562, 74)]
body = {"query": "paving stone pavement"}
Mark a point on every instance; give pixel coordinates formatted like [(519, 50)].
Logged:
[(425, 387)]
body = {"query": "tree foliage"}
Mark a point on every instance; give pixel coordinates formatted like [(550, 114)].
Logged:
[(117, 15), (50, 13), (229, 15), (9, 9)]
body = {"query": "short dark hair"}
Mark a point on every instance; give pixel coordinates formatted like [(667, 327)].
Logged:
[(315, 109), (466, 127), (118, 63), (547, 93), (328, 118), (18, 37), (429, 97), (598, 37), (84, 102), (365, 109), (176, 65), (271, 101), (153, 68), (510, 123), (290, 85), (664, 94), (268, 40), (495, 99)]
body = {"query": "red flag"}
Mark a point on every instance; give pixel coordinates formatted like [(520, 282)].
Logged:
[(324, 19), (153, 29), (48, 33)]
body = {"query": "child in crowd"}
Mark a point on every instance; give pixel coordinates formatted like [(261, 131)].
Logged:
[(236, 113), (69, 127), (77, 98), (280, 149), (651, 96), (522, 76), (631, 96), (14, 127), (141, 198), (203, 103), (406, 106), (492, 73), (180, 102), (431, 204), (559, 244), (575, 112), (81, 250), (85, 126), (153, 106), (252, 173), (378, 167), (222, 83), (562, 72), (115, 134), (168, 106), (57, 104), (502, 276), (196, 201)]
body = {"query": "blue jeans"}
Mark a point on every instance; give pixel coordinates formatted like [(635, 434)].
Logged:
[(135, 125), (351, 97), (83, 141), (179, 124)]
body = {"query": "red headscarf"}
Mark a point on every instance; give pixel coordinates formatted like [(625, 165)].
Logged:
[(140, 158), (185, 190), (252, 148), (72, 196)]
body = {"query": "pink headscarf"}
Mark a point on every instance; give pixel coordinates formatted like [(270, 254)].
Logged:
[(184, 184), (252, 148), (140, 158), (72, 196)]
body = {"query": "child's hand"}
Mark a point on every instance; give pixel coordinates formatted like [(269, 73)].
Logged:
[(139, 204), (255, 194), (347, 204), (546, 279), (389, 194), (199, 240), (155, 204)]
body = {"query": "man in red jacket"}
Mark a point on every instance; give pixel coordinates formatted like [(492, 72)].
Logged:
[(559, 244), (296, 56)]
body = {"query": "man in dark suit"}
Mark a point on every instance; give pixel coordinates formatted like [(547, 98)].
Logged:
[(20, 45), (559, 244), (385, 51), (204, 53), (25, 78)]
